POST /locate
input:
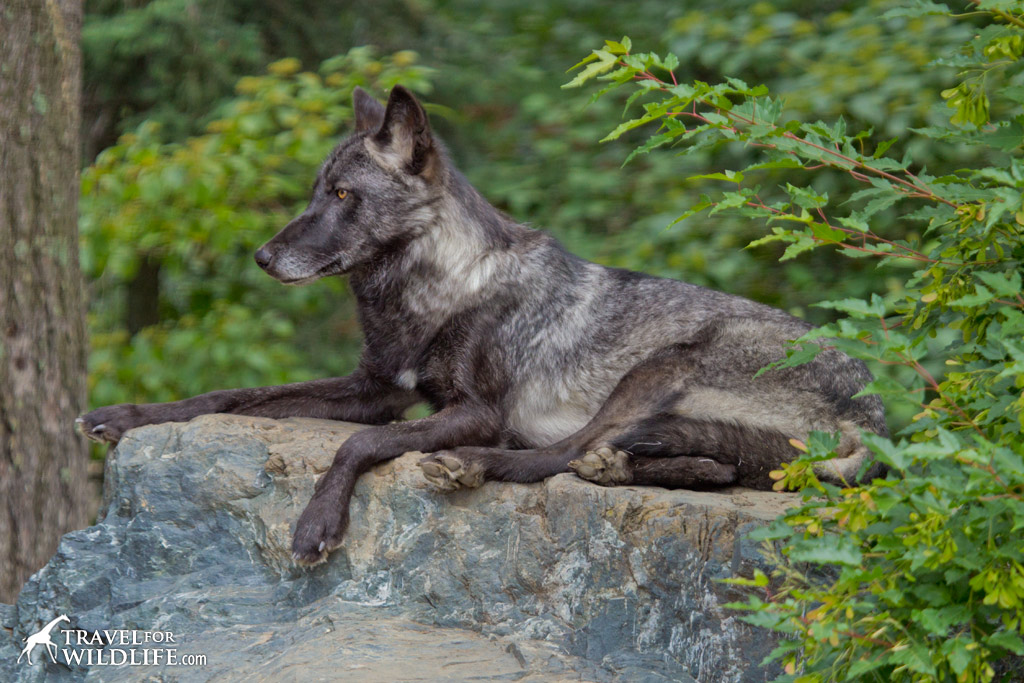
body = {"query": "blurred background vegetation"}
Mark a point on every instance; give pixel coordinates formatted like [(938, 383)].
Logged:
[(205, 121)]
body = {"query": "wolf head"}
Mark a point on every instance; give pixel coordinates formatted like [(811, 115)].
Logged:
[(372, 195)]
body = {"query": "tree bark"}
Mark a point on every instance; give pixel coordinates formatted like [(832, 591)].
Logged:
[(43, 487)]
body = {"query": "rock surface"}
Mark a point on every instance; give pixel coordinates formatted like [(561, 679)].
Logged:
[(562, 580)]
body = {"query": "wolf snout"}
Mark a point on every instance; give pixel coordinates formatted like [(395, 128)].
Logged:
[(263, 257)]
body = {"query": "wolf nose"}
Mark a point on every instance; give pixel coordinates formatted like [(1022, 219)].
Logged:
[(263, 257)]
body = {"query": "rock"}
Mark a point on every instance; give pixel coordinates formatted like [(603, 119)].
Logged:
[(563, 580)]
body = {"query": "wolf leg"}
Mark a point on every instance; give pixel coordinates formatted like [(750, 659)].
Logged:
[(357, 398), (646, 390), (753, 450), (469, 467), (701, 453), (607, 466), (322, 524), (667, 450)]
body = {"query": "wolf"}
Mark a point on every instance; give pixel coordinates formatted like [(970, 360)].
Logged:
[(536, 361)]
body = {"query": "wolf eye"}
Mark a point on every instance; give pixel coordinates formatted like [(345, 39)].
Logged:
[(342, 194)]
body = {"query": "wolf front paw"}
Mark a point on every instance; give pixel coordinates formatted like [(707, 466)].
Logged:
[(108, 424), (604, 466), (447, 471), (320, 529)]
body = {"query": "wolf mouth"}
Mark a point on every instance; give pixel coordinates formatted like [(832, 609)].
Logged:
[(329, 269)]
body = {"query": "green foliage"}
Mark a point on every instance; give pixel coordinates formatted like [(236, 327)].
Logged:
[(163, 59), (175, 61), (856, 60), (919, 576), (830, 60), (200, 208)]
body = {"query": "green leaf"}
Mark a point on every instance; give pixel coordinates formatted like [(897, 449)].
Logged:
[(858, 308), (959, 657), (863, 666), (797, 355), (827, 232), (829, 549), (880, 203), (1006, 136), (618, 48), (916, 656), (784, 162), (883, 147), (1007, 640), (731, 176), (606, 61), (759, 580), (884, 386), (980, 297), (1002, 284), (800, 244), (628, 125)]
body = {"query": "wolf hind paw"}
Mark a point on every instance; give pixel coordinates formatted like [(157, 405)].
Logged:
[(447, 472), (604, 466)]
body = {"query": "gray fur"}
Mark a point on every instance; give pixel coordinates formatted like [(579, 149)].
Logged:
[(537, 361)]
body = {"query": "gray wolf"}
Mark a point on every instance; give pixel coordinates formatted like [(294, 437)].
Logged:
[(536, 361)]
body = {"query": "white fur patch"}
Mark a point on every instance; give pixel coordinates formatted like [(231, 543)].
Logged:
[(396, 155), (780, 412), (541, 416), (407, 379), (465, 265)]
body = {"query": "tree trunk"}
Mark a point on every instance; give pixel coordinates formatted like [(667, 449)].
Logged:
[(43, 487)]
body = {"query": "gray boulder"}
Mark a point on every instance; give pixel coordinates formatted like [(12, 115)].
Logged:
[(563, 580)]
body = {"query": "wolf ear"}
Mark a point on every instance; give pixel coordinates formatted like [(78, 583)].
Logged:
[(404, 140), (369, 112)]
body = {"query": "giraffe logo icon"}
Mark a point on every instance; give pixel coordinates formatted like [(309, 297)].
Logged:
[(42, 637)]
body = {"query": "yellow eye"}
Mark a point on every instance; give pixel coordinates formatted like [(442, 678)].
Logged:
[(342, 194)]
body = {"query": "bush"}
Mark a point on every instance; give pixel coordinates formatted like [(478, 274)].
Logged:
[(919, 576)]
